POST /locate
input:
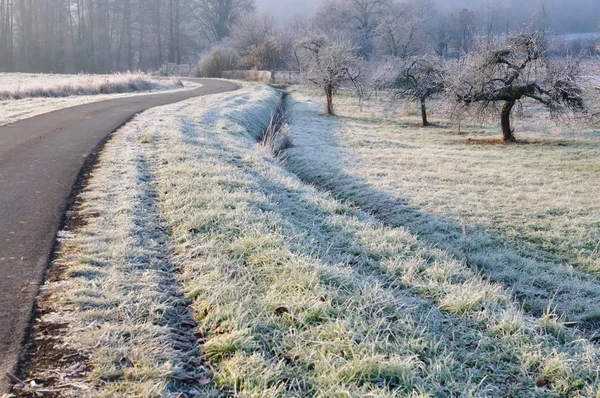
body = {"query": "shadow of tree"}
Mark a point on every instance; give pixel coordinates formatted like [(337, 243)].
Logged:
[(540, 279), (312, 229)]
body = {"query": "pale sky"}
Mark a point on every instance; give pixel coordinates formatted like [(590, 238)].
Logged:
[(289, 8)]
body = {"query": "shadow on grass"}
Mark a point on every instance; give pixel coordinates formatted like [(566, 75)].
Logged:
[(176, 314), (311, 230), (540, 279)]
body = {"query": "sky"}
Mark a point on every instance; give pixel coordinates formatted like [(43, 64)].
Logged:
[(289, 8)]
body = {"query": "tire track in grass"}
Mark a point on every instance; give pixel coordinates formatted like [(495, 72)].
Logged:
[(360, 256), (296, 293), (118, 306), (300, 295)]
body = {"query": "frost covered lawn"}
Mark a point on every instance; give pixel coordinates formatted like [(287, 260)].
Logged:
[(205, 267), (24, 95), (531, 213)]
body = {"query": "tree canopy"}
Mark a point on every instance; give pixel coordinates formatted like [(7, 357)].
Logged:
[(518, 69)]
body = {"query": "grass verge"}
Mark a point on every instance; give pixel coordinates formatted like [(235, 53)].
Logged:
[(13, 110), (295, 293)]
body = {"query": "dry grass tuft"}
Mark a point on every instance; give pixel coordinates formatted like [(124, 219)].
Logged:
[(51, 86)]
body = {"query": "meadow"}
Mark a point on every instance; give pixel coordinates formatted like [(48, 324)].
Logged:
[(526, 215), (205, 267), (24, 95)]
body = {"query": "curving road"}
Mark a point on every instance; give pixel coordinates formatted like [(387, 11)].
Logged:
[(40, 159)]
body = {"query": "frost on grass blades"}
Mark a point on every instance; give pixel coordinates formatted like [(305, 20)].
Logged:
[(16, 86), (294, 293), (12, 110), (532, 225)]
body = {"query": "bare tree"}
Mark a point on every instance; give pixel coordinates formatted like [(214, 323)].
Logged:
[(6, 35), (400, 32), (518, 70), (253, 29), (591, 84), (216, 17), (326, 62), (294, 29), (464, 30), (440, 35), (493, 12), (420, 79), (357, 18), (257, 37), (542, 13), (175, 31)]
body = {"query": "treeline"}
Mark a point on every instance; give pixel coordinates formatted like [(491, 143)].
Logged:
[(450, 28), (560, 16), (414, 50), (99, 36), (384, 29)]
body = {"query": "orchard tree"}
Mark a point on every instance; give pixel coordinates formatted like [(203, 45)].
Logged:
[(326, 62), (517, 70), (420, 79)]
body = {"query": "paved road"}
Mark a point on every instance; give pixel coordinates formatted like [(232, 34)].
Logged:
[(40, 159)]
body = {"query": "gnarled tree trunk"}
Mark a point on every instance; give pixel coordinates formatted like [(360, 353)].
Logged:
[(329, 94), (424, 113), (507, 131)]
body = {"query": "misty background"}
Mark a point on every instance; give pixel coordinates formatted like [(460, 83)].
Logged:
[(289, 9), (101, 36), (564, 16)]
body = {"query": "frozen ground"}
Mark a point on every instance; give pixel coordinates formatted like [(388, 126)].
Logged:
[(203, 267), (42, 93), (527, 215)]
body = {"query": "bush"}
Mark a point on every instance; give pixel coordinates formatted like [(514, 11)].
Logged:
[(267, 55), (219, 59)]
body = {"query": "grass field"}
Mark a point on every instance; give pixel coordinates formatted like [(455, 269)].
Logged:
[(24, 95), (526, 215), (16, 86), (204, 267)]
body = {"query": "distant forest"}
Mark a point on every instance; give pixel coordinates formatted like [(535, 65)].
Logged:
[(564, 16), (109, 35), (560, 16), (100, 36)]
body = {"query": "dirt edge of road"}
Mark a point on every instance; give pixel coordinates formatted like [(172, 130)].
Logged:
[(70, 221)]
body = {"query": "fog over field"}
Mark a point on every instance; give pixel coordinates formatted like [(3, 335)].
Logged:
[(103, 36), (564, 16), (289, 8)]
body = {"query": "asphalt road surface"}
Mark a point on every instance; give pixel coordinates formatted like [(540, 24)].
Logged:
[(40, 159)]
